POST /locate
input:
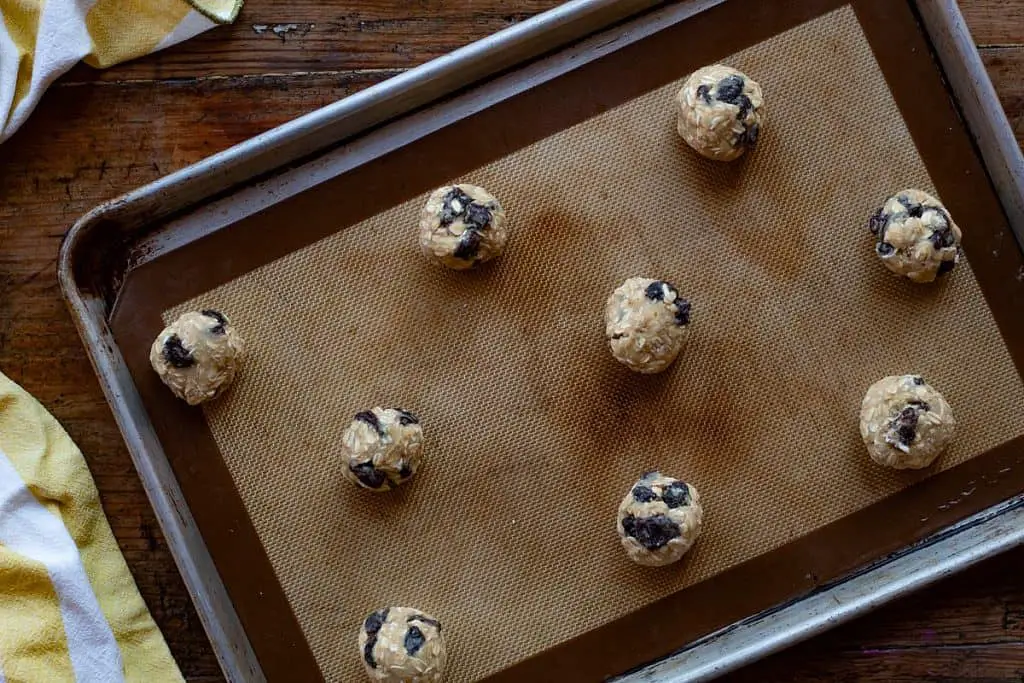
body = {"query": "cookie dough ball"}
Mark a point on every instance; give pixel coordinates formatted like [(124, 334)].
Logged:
[(461, 226), (659, 520), (720, 112), (916, 237), (646, 322), (197, 355), (383, 448), (905, 423), (402, 645)]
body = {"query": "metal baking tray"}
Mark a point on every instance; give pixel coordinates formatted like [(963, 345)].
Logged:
[(111, 249)]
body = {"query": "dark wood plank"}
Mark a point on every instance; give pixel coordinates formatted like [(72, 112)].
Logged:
[(99, 134), (995, 22), (279, 36), (991, 664)]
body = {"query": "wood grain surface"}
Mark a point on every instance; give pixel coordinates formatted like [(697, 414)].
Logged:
[(98, 134)]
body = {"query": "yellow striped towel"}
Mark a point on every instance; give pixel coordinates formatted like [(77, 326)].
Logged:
[(41, 39), (69, 608)]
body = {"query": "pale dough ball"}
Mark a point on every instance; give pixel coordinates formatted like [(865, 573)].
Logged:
[(646, 322), (461, 226), (402, 645), (659, 520), (917, 237), (720, 112), (382, 448), (197, 355), (905, 423)]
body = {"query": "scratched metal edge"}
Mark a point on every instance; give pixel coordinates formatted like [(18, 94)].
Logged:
[(739, 644)]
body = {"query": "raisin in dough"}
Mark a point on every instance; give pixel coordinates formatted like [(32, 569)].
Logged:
[(905, 423), (197, 356), (646, 322), (659, 520), (720, 112), (461, 226), (916, 237), (383, 448), (402, 645)]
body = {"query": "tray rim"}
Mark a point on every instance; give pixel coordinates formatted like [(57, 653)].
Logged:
[(960, 545)]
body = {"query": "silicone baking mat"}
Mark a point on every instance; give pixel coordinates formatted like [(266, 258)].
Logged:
[(534, 433)]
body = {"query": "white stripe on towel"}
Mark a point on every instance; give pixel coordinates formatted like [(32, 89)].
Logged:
[(29, 529)]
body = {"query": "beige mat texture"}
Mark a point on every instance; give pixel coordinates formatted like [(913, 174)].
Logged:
[(534, 433)]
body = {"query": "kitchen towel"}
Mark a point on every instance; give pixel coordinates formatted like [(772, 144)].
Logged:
[(69, 607)]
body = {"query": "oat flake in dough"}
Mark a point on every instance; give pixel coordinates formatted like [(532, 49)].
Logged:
[(659, 520), (905, 423), (402, 645), (462, 226), (198, 355), (382, 448), (646, 322), (720, 112), (915, 236)]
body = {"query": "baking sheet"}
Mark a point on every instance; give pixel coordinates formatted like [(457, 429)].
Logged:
[(534, 432)]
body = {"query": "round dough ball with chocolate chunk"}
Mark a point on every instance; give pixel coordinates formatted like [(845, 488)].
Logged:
[(905, 423), (720, 112), (659, 520), (915, 236), (198, 355), (383, 448), (646, 322), (461, 226), (402, 645)]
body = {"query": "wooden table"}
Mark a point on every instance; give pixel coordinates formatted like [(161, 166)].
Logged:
[(98, 134)]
